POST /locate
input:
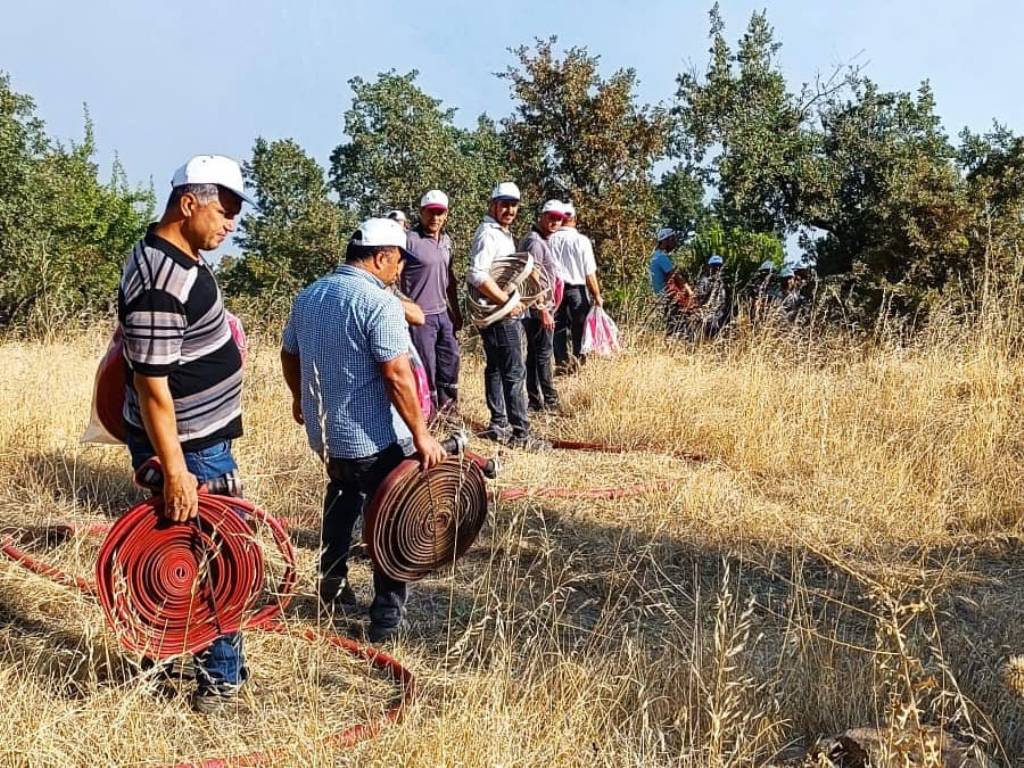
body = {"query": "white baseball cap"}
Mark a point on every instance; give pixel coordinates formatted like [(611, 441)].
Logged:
[(505, 190), (381, 233), (569, 210), (553, 207), (665, 233), (212, 169), (397, 215), (435, 198)]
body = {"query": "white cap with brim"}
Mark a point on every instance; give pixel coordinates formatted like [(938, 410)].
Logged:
[(212, 169), (569, 210), (553, 207), (396, 215), (665, 233), (716, 261), (381, 233), (766, 266), (505, 190), (435, 198)]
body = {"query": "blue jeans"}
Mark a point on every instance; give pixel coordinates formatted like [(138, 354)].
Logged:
[(222, 665)]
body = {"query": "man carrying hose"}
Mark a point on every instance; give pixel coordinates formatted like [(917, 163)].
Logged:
[(345, 358), (183, 402), (505, 373), (540, 323)]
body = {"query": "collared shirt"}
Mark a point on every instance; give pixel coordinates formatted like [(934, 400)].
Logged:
[(574, 254), (490, 241), (425, 277), (172, 318), (661, 267), (343, 327), (537, 246)]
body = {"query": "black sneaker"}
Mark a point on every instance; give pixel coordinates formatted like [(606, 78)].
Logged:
[(214, 700), (381, 633), (497, 434), (529, 443), (338, 594)]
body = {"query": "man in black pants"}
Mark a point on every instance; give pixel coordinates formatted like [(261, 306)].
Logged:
[(505, 374), (540, 322), (345, 358), (574, 254)]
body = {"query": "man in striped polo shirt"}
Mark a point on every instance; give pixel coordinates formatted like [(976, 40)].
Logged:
[(183, 401)]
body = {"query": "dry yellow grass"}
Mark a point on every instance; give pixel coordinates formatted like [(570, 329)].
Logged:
[(848, 554)]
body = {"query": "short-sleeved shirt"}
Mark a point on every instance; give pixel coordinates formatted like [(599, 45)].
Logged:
[(425, 277), (661, 267), (343, 327), (173, 322), (574, 254)]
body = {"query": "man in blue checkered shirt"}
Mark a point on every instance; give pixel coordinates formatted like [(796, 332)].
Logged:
[(345, 357)]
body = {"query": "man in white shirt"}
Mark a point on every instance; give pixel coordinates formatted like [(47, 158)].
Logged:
[(505, 373), (574, 255)]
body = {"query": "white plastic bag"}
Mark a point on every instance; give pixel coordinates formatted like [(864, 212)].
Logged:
[(600, 335)]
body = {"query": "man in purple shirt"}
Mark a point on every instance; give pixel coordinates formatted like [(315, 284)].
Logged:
[(428, 281)]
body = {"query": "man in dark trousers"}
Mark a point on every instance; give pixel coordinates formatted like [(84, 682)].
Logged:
[(505, 372), (345, 358), (429, 281), (574, 255), (540, 322), (183, 401)]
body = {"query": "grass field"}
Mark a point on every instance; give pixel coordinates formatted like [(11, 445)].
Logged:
[(847, 555)]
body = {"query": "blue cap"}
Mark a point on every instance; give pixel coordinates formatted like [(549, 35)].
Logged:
[(716, 261)]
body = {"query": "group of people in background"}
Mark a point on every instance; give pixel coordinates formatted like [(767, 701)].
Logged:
[(529, 346), (699, 311)]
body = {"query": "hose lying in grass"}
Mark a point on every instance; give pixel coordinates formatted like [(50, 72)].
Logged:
[(170, 588), (213, 507)]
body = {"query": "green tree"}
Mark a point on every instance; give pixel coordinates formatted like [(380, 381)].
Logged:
[(993, 165), (745, 129), (402, 142), (890, 198), (296, 234), (681, 199), (64, 235), (578, 136)]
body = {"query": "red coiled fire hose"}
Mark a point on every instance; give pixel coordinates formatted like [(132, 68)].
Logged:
[(172, 577), (168, 588)]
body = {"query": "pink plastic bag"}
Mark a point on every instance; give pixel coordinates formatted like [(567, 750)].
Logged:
[(238, 334), (600, 335), (419, 372)]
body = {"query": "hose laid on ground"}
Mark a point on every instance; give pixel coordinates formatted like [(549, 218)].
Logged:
[(595, 447), (378, 660), (188, 583)]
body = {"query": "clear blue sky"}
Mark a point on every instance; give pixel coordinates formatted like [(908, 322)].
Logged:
[(163, 82)]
